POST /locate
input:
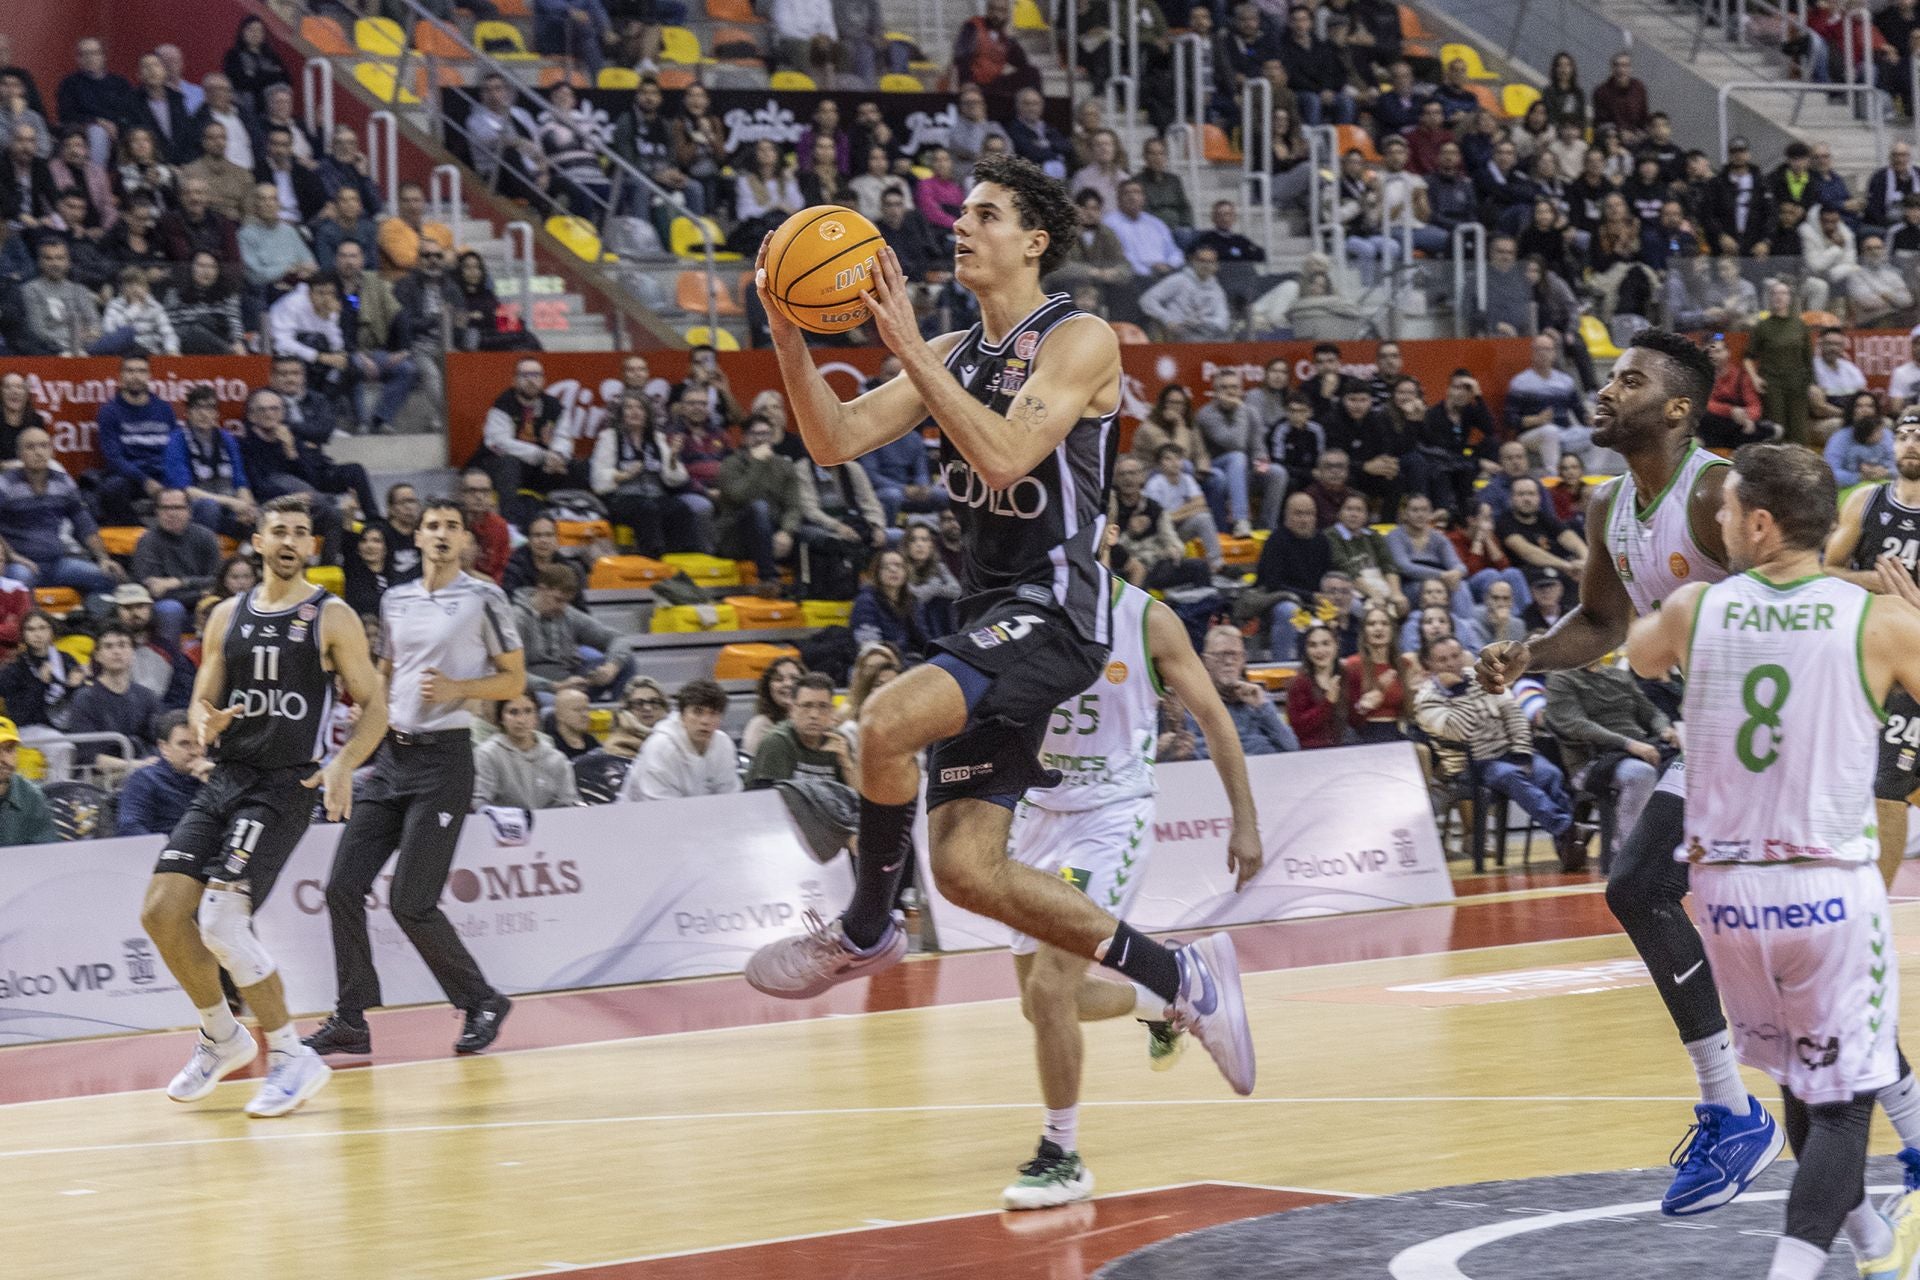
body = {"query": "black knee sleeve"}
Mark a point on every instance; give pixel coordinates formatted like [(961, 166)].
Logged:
[(1832, 1177), (1644, 893)]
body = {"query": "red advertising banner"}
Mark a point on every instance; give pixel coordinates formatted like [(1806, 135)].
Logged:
[(71, 391), (585, 382)]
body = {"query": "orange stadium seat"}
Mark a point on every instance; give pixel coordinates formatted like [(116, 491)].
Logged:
[(57, 599), (119, 539), (1488, 102), (578, 533), (747, 661), (1351, 137), (676, 77), (435, 41), (1217, 147), (740, 11), (1411, 25), (616, 572), (327, 37), (690, 294), (1130, 334)]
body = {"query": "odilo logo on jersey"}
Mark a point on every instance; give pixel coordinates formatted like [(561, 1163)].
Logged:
[(1024, 499), (1794, 915), (268, 702)]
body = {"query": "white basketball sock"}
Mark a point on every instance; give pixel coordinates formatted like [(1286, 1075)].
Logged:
[(1148, 1004), (1063, 1127), (1868, 1232), (218, 1022), (1718, 1070), (1901, 1101), (285, 1040), (1796, 1260)]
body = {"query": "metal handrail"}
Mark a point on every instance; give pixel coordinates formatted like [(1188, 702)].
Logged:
[(1256, 124), (383, 154), (1123, 108), (1875, 109), (1400, 230), (1461, 234), (519, 236), (316, 91), (445, 203)]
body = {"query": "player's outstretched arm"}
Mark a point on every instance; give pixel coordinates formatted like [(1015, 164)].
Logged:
[(1658, 642), (206, 719), (833, 430), (1181, 670), (1082, 369), (1584, 634), (1845, 539)]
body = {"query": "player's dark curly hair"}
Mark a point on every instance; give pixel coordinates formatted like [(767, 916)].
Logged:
[(1691, 368), (1041, 202)]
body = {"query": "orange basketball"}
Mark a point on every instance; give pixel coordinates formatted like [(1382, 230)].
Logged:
[(817, 264)]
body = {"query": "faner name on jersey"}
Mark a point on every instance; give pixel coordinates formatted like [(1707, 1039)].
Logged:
[(268, 702), (1777, 617), (1025, 499)]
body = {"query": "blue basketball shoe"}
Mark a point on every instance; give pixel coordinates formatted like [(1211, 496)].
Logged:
[(1720, 1157)]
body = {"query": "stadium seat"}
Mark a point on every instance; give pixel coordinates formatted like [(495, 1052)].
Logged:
[(676, 618), (1487, 100), (618, 78), (377, 78), (683, 238), (119, 539), (487, 36), (690, 294), (578, 235), (326, 36), (1130, 334), (1351, 137), (732, 11), (672, 78), (1217, 147), (1241, 553), (1518, 99), (579, 533), (514, 8), (1027, 16), (1476, 69), (79, 647), (32, 763), (735, 42), (1599, 341), (1411, 25), (435, 41), (827, 613), (1818, 320), (707, 571), (719, 340), (757, 614), (900, 82), (677, 44), (57, 600), (791, 80), (612, 573), (381, 37), (330, 576), (748, 661)]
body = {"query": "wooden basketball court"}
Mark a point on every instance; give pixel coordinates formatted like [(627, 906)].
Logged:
[(698, 1129)]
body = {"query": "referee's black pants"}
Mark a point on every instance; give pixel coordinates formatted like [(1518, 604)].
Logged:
[(416, 801)]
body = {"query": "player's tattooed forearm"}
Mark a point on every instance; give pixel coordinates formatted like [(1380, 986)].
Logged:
[(1033, 409)]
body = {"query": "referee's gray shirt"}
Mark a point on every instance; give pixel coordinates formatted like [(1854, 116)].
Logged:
[(456, 631)]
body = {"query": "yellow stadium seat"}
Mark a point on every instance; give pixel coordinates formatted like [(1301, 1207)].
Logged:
[(686, 617), (599, 721), (757, 614), (707, 571), (791, 80), (330, 576), (827, 613), (77, 647), (1476, 69), (677, 44), (578, 235), (326, 37), (615, 572), (381, 37), (900, 82), (719, 340), (683, 238), (1518, 99), (487, 36), (377, 78), (618, 78), (747, 661), (1599, 341), (1027, 16)]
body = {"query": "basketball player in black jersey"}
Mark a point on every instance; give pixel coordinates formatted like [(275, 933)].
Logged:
[(1026, 403), (262, 700), (1879, 532)]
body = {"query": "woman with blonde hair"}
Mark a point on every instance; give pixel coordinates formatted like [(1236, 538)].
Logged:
[(878, 663)]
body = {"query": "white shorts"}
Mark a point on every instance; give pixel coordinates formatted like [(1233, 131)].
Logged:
[(1674, 781), (1803, 956), (1102, 852)]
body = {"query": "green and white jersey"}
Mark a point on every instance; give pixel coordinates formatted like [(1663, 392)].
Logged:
[(1103, 741), (1653, 548), (1781, 726)]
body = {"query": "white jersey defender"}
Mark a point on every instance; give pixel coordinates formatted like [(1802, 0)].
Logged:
[(1095, 830), (1782, 729)]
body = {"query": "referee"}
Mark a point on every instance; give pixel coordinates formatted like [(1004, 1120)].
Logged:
[(450, 637)]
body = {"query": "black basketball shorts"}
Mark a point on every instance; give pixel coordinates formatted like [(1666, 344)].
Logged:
[(242, 827), (1033, 659), (1899, 747)]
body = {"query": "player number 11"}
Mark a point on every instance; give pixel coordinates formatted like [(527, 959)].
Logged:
[(266, 663)]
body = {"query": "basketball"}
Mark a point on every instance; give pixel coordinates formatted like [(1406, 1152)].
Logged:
[(817, 264)]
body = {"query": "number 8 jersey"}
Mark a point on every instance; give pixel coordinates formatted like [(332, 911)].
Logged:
[(1104, 741), (279, 680), (1781, 726)]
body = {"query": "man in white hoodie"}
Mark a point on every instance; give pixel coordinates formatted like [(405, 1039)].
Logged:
[(688, 755)]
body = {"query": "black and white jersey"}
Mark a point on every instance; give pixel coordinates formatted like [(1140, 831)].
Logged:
[(1044, 530), (1888, 529), (277, 675)]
